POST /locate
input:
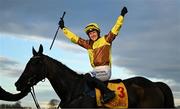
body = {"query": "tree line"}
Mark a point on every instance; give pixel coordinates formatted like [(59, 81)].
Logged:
[(53, 103)]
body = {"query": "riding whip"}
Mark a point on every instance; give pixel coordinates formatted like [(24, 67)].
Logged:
[(57, 31)]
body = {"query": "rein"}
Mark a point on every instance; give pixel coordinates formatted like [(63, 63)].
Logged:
[(36, 101), (34, 98), (37, 104), (33, 94)]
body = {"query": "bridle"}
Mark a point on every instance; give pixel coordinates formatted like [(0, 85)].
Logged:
[(33, 94), (32, 81)]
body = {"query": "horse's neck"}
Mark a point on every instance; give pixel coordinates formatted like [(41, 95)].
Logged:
[(62, 79), (60, 89)]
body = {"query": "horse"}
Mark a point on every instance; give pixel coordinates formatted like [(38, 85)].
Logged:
[(71, 86)]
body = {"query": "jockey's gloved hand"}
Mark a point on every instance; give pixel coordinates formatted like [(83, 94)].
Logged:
[(61, 23), (124, 11)]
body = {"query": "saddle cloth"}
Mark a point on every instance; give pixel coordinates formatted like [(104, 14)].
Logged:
[(119, 101)]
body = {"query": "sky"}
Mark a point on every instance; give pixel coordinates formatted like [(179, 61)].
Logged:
[(147, 45)]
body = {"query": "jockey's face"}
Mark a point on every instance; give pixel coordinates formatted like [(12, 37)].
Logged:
[(93, 35)]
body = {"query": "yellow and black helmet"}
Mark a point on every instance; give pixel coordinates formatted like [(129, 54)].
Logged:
[(91, 27)]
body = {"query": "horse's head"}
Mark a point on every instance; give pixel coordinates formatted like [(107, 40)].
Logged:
[(33, 72)]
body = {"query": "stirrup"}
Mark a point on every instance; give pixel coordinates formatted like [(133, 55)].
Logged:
[(107, 97)]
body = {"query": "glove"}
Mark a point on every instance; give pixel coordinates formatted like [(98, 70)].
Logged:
[(61, 23), (124, 11)]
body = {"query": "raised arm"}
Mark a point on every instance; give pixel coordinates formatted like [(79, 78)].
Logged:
[(115, 30), (73, 37)]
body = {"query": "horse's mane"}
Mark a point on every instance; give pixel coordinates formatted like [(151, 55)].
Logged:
[(62, 66)]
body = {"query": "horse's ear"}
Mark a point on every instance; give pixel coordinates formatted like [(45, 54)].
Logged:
[(34, 51), (40, 49)]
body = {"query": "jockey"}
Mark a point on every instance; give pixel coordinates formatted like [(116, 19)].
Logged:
[(99, 50)]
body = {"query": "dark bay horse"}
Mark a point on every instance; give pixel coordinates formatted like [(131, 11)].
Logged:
[(70, 86)]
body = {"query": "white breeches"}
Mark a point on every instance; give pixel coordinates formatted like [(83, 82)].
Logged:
[(102, 73)]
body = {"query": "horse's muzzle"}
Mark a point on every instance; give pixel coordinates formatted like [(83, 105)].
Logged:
[(17, 86), (21, 87)]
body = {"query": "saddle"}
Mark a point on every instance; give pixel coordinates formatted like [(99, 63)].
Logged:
[(121, 98)]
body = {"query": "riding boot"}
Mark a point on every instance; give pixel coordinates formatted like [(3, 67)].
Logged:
[(107, 93)]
